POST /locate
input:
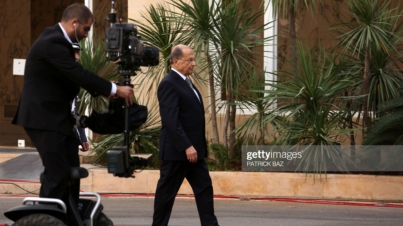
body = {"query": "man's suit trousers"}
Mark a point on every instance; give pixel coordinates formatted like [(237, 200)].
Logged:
[(59, 153), (172, 175)]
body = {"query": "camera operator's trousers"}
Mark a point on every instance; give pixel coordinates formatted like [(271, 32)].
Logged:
[(58, 153), (172, 175)]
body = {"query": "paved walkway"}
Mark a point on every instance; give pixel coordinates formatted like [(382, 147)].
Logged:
[(130, 210)]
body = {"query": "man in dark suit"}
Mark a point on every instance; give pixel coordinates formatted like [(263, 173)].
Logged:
[(52, 80), (182, 141)]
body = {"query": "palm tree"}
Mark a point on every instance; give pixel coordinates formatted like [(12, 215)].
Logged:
[(386, 74), (312, 108), (239, 36), (370, 34)]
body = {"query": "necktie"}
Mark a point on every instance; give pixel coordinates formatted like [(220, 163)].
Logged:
[(188, 82)]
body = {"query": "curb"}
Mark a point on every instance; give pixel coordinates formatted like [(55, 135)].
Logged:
[(309, 201)]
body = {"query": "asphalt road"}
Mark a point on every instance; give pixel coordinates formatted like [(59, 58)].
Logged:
[(137, 211)]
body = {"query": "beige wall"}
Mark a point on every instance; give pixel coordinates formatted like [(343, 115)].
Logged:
[(136, 7)]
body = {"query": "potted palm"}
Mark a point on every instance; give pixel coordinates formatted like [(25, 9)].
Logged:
[(312, 109)]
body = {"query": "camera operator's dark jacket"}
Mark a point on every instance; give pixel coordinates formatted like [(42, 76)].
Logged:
[(52, 80), (183, 121)]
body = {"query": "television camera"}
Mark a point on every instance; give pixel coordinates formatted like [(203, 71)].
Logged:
[(124, 47)]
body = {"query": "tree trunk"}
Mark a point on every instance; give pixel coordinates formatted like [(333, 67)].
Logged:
[(350, 126), (293, 38), (366, 81), (231, 143), (366, 118), (262, 134), (213, 113), (228, 90), (225, 126)]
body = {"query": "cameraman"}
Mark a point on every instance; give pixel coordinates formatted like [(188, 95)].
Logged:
[(52, 79)]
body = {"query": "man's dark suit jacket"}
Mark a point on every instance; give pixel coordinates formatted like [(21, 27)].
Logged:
[(52, 80), (183, 121)]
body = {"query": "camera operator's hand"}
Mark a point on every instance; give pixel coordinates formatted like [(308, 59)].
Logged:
[(85, 146), (125, 92)]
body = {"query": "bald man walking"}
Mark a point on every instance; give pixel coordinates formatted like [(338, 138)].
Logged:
[(183, 144)]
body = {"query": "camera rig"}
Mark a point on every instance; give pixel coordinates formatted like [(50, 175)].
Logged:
[(124, 47)]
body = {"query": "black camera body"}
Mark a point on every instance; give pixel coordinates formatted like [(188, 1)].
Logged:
[(124, 47)]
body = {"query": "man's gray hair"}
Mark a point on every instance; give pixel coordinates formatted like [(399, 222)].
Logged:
[(177, 52)]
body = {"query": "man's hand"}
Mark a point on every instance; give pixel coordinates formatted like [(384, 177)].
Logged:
[(85, 146), (125, 92), (191, 154)]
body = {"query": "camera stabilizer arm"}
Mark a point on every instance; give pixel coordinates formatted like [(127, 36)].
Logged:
[(125, 48)]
